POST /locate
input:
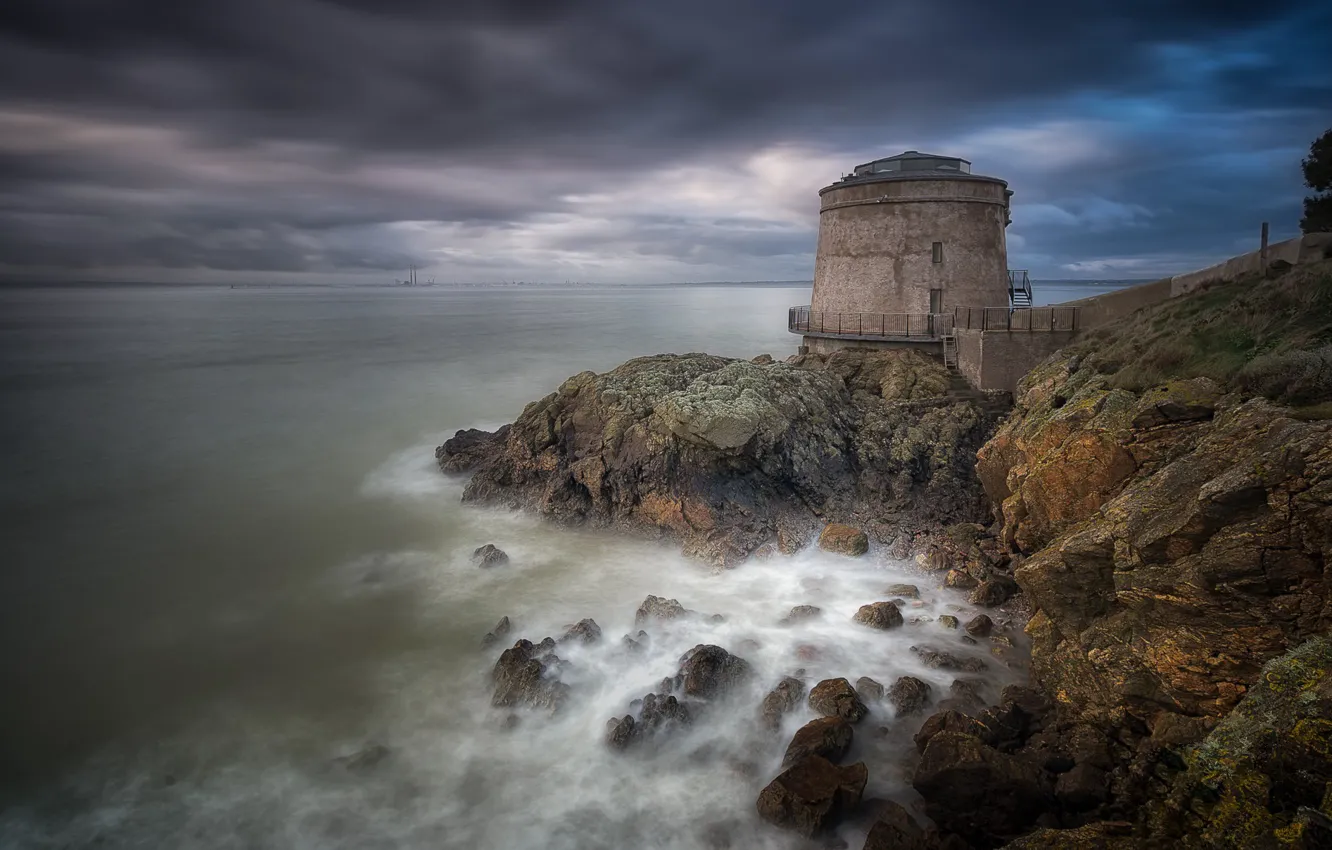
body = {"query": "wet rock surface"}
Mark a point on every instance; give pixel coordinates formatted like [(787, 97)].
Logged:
[(525, 674), (879, 615), (812, 796), (844, 540), (658, 608), (909, 696), (710, 671), (489, 555), (836, 698), (829, 737)]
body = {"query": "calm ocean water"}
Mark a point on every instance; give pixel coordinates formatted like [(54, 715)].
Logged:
[(228, 559)]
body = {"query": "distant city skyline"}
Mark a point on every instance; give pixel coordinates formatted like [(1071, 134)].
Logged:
[(634, 142)]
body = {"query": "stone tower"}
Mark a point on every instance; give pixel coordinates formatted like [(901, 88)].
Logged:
[(913, 233)]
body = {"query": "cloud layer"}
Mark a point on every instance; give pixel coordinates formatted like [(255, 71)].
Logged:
[(630, 140)]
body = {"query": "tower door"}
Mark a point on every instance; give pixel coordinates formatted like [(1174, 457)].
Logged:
[(936, 300)]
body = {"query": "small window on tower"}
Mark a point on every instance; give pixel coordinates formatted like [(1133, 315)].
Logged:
[(938, 252)]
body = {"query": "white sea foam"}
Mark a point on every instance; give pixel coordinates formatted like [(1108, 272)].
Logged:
[(456, 778)]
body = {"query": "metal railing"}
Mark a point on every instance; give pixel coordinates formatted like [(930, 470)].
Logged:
[(1023, 319), (1019, 287), (803, 320)]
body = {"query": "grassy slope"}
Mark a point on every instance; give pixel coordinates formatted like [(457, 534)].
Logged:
[(1260, 337)]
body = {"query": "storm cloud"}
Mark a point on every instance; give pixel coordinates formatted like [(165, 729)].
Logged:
[(630, 140)]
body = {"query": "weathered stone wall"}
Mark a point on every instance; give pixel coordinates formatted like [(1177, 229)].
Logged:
[(827, 345), (875, 251), (997, 360)]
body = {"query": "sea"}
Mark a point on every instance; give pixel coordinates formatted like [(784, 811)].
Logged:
[(238, 607)]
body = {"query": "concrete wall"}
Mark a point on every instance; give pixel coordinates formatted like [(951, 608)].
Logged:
[(1097, 311), (876, 239), (997, 360), (1303, 249), (1103, 309)]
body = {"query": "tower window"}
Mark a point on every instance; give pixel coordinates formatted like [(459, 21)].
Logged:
[(938, 252)]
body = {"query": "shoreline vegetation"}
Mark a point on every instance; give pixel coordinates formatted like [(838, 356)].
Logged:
[(1154, 503)]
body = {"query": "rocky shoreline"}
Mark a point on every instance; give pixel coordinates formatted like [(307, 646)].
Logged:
[(1167, 536)]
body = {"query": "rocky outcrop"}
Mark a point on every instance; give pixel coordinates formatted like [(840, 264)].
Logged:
[(471, 448), (657, 715), (726, 455), (525, 675), (1164, 587)]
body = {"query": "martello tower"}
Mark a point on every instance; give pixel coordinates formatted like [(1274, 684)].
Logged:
[(913, 233)]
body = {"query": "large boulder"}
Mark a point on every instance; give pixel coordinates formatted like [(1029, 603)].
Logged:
[(978, 792), (812, 795), (836, 698), (879, 615), (829, 737), (709, 671), (723, 454), (844, 540)]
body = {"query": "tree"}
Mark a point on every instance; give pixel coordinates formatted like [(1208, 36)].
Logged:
[(1318, 176)]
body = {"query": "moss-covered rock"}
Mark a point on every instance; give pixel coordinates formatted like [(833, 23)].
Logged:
[(726, 455)]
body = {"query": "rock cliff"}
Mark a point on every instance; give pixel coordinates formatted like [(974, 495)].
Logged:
[(1165, 489), (728, 455)]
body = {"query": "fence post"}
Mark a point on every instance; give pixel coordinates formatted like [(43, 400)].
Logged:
[(1262, 251)]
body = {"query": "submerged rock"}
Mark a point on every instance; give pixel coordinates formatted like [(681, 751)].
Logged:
[(812, 795), (800, 613), (501, 629), (941, 660), (781, 700), (364, 759), (657, 715), (489, 555), (868, 689)]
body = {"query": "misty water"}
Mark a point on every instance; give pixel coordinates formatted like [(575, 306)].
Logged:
[(229, 561)]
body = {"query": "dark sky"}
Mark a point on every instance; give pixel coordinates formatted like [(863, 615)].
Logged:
[(633, 140)]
